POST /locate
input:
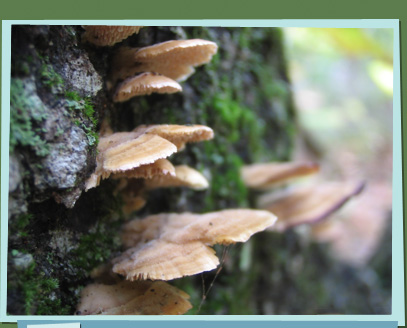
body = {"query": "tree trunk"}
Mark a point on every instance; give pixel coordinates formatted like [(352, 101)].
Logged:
[(58, 232)]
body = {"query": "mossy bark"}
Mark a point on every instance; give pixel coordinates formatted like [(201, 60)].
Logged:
[(58, 232)]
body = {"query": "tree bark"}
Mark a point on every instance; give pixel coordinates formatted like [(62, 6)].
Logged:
[(58, 232)]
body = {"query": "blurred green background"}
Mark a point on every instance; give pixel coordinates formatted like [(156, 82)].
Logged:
[(342, 80)]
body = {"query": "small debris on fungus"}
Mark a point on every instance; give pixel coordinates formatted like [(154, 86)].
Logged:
[(145, 84), (170, 246), (175, 59), (308, 204), (102, 35), (268, 175), (133, 298)]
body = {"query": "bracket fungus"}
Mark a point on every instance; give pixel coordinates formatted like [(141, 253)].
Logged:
[(161, 174), (148, 171), (143, 150), (170, 246), (125, 151), (267, 175), (140, 153), (145, 84), (354, 236), (133, 298), (178, 134), (184, 176), (308, 204), (175, 59), (102, 35)]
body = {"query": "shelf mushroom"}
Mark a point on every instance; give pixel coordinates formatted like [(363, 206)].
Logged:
[(309, 204), (133, 298), (175, 59), (141, 152), (127, 151), (104, 35), (145, 84), (184, 176), (170, 246), (267, 175), (178, 134), (161, 167)]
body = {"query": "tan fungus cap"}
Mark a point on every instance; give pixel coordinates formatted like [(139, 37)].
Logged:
[(133, 298), (263, 176), (169, 246), (126, 151), (101, 35), (175, 59), (162, 260), (184, 176), (158, 168), (145, 84), (178, 134), (309, 204), (143, 150)]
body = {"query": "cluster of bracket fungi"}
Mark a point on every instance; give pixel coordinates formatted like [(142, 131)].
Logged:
[(297, 205), (163, 247)]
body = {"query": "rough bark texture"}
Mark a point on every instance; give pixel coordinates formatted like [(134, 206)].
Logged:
[(58, 232)]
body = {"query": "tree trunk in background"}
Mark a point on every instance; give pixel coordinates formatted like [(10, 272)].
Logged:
[(58, 233)]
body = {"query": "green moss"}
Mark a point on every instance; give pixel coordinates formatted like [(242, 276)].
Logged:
[(226, 184), (244, 37), (37, 288), (170, 115), (21, 224), (23, 220), (49, 77), (84, 108), (93, 249), (240, 122), (239, 139), (20, 67), (27, 113)]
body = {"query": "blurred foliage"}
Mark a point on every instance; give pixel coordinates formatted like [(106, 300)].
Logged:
[(343, 87), (343, 81), (339, 42)]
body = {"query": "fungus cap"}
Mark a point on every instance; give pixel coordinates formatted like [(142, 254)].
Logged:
[(133, 203), (224, 227), (102, 35), (162, 260), (355, 235), (178, 134), (115, 139), (184, 176), (143, 150), (263, 176), (145, 84), (221, 227), (309, 204), (158, 168), (133, 298), (126, 151), (175, 59), (169, 246)]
